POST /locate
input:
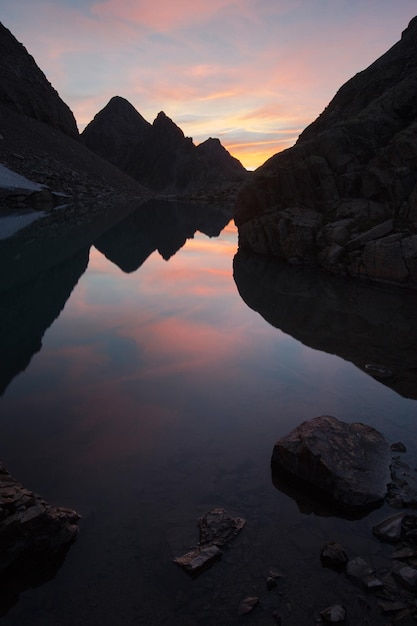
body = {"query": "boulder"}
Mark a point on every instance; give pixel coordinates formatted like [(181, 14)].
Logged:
[(333, 555), (347, 464), (31, 530)]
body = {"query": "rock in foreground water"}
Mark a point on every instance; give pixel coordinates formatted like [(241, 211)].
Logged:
[(346, 463), (30, 528), (217, 528)]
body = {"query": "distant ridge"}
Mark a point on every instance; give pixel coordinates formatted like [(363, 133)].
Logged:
[(119, 152), (158, 155)]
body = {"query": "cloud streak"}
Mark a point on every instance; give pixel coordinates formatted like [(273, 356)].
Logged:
[(252, 74)]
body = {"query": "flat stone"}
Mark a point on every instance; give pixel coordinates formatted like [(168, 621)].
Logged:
[(406, 552), (348, 463), (335, 614), (380, 230), (390, 529), (199, 559), (407, 577), (31, 514), (360, 571), (247, 605), (391, 607)]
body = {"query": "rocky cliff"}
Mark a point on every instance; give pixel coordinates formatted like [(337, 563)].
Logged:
[(158, 155), (25, 89), (345, 196)]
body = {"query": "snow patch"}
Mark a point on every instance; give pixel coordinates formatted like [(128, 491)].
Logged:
[(12, 180), (13, 222)]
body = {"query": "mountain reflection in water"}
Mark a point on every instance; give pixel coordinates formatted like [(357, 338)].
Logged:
[(158, 395), (372, 326), (37, 279)]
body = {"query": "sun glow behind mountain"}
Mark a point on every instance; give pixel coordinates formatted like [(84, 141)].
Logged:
[(252, 74)]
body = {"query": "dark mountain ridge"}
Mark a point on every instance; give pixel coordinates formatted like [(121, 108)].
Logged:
[(119, 153), (25, 89), (345, 195), (158, 155)]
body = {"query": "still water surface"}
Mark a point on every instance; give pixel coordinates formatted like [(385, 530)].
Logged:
[(158, 394)]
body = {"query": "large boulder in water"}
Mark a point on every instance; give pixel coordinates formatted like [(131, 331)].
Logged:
[(346, 463)]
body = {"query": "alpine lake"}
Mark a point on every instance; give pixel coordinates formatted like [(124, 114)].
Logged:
[(147, 370)]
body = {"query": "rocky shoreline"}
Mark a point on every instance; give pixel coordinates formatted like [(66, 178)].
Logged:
[(29, 526)]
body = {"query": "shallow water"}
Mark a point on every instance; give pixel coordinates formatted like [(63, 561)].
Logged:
[(158, 393)]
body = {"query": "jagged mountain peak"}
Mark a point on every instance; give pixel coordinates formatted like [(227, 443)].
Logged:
[(120, 113), (115, 131), (158, 154)]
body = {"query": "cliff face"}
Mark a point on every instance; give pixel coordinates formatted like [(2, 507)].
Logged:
[(345, 196), (158, 155), (25, 89)]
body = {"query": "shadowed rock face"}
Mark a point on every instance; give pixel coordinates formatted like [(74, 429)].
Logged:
[(347, 463), (373, 326), (345, 196), (25, 89), (158, 155)]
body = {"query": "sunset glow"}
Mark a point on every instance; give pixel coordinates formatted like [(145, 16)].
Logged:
[(252, 74)]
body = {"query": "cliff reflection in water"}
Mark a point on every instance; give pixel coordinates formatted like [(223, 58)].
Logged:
[(372, 326), (37, 278)]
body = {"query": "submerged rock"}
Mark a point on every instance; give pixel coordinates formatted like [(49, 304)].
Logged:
[(346, 463), (217, 528)]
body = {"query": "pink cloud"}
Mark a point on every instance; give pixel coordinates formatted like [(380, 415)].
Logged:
[(159, 15)]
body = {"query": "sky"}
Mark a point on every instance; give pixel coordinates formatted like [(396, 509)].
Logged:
[(253, 73)]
